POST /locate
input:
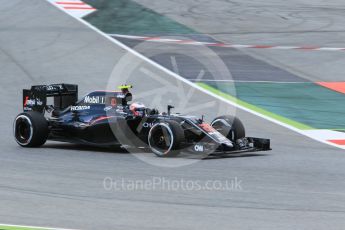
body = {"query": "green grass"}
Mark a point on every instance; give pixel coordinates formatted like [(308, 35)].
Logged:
[(302, 105), (129, 17), (255, 108)]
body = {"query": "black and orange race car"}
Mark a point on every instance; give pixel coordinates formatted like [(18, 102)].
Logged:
[(104, 118)]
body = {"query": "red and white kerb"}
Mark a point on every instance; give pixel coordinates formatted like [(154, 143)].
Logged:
[(74, 7)]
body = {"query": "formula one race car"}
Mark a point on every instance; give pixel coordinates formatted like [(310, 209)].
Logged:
[(106, 118)]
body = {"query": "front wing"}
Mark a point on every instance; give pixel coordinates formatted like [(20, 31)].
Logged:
[(242, 146)]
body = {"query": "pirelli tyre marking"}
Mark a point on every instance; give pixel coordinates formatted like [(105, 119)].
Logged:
[(17, 133), (171, 140)]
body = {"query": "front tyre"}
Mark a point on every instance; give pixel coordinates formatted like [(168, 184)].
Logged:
[(165, 138), (229, 126), (30, 129)]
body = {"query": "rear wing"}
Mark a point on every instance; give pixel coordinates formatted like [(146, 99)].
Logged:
[(35, 99)]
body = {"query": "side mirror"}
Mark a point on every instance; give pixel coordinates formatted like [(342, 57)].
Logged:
[(169, 109)]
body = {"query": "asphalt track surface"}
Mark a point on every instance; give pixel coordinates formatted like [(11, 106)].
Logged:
[(298, 185), (288, 23)]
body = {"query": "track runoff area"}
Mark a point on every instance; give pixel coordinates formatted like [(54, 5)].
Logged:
[(310, 108)]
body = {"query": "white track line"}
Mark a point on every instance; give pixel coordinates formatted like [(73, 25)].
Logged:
[(34, 227), (249, 81), (130, 50), (237, 46)]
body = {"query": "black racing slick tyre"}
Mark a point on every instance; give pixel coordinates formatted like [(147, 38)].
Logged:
[(229, 126), (30, 129), (165, 139)]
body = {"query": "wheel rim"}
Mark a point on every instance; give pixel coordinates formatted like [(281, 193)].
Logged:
[(23, 130), (161, 139)]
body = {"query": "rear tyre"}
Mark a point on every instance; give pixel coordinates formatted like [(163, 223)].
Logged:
[(30, 129), (229, 126), (165, 139)]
